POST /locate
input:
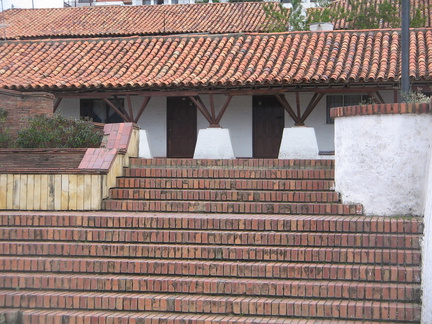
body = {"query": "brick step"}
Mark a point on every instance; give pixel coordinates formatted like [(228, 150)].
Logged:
[(182, 221), (232, 207), (199, 173), (226, 305), (225, 184), (198, 268), (210, 252), (10, 316), (75, 317), (353, 290), (224, 195), (254, 238), (234, 163)]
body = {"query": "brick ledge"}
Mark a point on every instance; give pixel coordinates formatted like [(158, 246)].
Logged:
[(381, 109)]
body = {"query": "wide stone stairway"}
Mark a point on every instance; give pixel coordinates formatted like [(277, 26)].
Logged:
[(212, 241)]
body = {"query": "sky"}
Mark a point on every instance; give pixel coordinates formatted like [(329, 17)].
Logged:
[(7, 4)]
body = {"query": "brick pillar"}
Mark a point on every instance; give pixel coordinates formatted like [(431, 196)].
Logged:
[(21, 105)]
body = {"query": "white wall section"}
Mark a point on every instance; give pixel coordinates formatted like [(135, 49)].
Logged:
[(381, 162)]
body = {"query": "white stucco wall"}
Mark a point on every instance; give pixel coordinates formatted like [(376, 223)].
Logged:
[(427, 251), (381, 162), (237, 118)]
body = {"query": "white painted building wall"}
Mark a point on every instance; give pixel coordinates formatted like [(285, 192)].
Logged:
[(381, 162), (237, 118), (427, 250)]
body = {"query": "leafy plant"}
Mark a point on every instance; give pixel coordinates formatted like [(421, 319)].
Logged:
[(364, 14), (278, 17), (415, 97), (58, 131), (5, 139)]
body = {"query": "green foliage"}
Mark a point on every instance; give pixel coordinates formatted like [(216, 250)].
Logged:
[(297, 20), (278, 17), (5, 139), (247, 1), (58, 131), (415, 97), (364, 14)]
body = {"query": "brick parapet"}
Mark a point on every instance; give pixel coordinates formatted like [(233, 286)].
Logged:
[(381, 109), (21, 105)]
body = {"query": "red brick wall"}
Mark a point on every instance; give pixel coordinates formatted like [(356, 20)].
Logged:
[(40, 158), (21, 105)]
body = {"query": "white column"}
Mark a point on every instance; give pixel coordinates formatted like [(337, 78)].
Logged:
[(144, 147), (214, 143), (299, 142)]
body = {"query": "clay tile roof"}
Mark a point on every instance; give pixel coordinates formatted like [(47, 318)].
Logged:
[(216, 61), (102, 21), (424, 7)]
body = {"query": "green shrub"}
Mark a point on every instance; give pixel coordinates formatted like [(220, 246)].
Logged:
[(58, 131), (5, 139), (415, 97)]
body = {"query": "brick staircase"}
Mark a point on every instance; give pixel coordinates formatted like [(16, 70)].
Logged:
[(243, 265), (257, 186)]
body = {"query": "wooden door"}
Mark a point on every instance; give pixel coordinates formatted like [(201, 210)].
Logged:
[(268, 125), (181, 127)]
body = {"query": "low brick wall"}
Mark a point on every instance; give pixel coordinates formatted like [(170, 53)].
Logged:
[(12, 160), (66, 179)]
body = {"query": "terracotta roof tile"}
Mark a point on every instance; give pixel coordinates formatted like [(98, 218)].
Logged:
[(100, 21), (200, 61), (425, 7)]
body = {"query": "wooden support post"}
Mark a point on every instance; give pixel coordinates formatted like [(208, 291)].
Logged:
[(298, 104), (312, 104), (109, 103), (381, 99), (57, 103), (212, 107), (129, 103), (122, 108), (224, 108), (282, 100), (142, 108), (200, 105)]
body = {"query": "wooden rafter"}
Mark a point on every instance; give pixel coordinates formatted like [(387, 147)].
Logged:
[(231, 92), (142, 108)]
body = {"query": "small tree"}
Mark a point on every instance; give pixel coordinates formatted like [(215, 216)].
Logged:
[(277, 16), (363, 14)]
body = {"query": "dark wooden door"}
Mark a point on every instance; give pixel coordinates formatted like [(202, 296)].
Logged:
[(181, 127), (268, 125)]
